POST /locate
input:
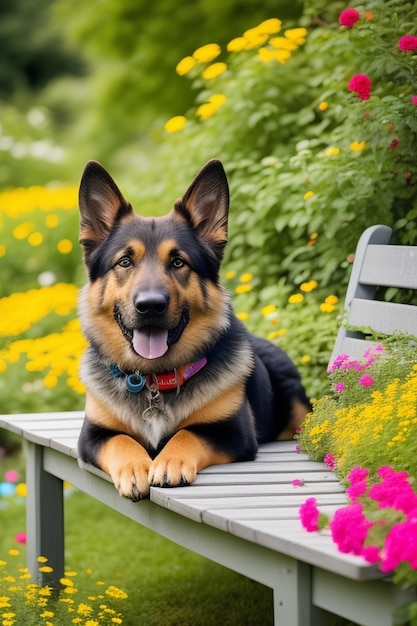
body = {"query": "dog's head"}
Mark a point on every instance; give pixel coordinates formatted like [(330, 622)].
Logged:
[(153, 301)]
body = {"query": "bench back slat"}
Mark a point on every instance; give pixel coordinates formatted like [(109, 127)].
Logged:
[(377, 264)]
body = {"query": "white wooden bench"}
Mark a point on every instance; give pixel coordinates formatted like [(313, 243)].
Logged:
[(244, 515)]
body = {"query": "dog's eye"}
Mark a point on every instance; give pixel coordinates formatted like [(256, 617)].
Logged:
[(177, 262), (125, 261)]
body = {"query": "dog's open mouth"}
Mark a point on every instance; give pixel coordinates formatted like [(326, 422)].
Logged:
[(152, 342)]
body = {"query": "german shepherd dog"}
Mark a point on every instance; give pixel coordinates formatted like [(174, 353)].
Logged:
[(174, 380)]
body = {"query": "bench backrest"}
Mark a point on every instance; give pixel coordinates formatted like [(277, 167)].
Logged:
[(377, 263)]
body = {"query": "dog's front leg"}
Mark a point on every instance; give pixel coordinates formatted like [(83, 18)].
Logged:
[(185, 454), (128, 464)]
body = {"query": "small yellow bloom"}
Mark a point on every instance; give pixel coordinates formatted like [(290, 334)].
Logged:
[(297, 35), (282, 43), (326, 307), (358, 147), (308, 195), (64, 246), (42, 559), (206, 53), (214, 70), (237, 44), (175, 124), (332, 151), (185, 65), (308, 286), (269, 309), (21, 490), (305, 359), (14, 552), (67, 582), (270, 26), (296, 298), (243, 288), (230, 274), (115, 592), (46, 569), (52, 221), (2, 250), (267, 55), (242, 316), (35, 239), (331, 299), (323, 106), (246, 277)]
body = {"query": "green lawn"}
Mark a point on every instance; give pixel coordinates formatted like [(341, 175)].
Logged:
[(166, 585)]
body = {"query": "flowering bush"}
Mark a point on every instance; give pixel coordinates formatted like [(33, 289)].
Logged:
[(23, 601)]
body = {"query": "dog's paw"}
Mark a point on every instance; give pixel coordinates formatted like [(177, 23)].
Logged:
[(131, 480), (169, 471)]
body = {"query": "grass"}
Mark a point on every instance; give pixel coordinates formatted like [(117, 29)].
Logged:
[(166, 584)]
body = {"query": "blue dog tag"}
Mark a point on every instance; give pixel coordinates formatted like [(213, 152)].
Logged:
[(135, 383)]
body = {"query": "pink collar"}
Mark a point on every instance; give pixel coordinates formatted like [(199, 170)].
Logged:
[(176, 378)]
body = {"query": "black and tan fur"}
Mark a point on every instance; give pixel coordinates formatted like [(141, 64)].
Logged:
[(161, 275)]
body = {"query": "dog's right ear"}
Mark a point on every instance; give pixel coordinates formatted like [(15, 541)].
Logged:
[(102, 205)]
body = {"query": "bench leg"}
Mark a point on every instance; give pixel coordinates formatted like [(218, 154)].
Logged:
[(293, 597), (44, 518)]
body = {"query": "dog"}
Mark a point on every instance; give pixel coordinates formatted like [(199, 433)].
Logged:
[(174, 381)]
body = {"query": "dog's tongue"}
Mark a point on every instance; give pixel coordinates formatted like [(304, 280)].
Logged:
[(150, 342)]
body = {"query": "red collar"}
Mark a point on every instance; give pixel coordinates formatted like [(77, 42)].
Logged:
[(176, 378)]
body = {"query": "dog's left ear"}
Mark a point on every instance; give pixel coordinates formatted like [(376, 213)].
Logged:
[(206, 204)]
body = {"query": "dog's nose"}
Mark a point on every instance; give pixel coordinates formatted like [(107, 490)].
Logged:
[(151, 302)]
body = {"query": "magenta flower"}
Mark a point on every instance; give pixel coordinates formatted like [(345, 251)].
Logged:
[(349, 528), (409, 42), (309, 515), (414, 100), (394, 143), (349, 17), (394, 492), (358, 483), (371, 554), (330, 461), (400, 545), (341, 358), (339, 387), (360, 84), (20, 537), (297, 482), (298, 448), (11, 476), (366, 381)]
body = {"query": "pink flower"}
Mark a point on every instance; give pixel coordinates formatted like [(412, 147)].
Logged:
[(360, 84), (359, 485), (400, 545), (338, 362), (371, 554), (366, 381), (11, 476), (297, 482), (20, 537), (339, 387), (298, 448), (349, 528), (309, 515), (414, 100), (409, 42), (394, 492), (330, 461), (394, 143), (349, 17)]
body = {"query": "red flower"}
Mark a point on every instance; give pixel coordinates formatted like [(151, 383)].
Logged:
[(360, 84), (394, 143), (349, 17), (409, 42)]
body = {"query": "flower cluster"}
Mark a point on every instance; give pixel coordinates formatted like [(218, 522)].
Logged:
[(23, 601), (379, 523), (262, 38)]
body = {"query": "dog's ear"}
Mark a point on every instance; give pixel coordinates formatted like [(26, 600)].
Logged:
[(101, 206), (206, 204)]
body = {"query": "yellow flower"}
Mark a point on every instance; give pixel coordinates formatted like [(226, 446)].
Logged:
[(270, 26), (254, 38), (115, 592), (21, 201), (46, 569), (332, 151), (282, 43), (35, 239), (305, 359), (47, 614), (52, 221), (326, 307), (243, 288), (297, 35), (246, 277), (14, 552), (214, 70), (331, 299), (64, 246), (23, 230), (237, 44), (21, 490), (175, 124), (358, 147), (269, 309), (309, 286), (267, 55), (242, 316), (230, 274), (42, 559), (308, 195), (185, 65), (206, 53), (2, 250), (323, 106), (296, 298), (208, 109)]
